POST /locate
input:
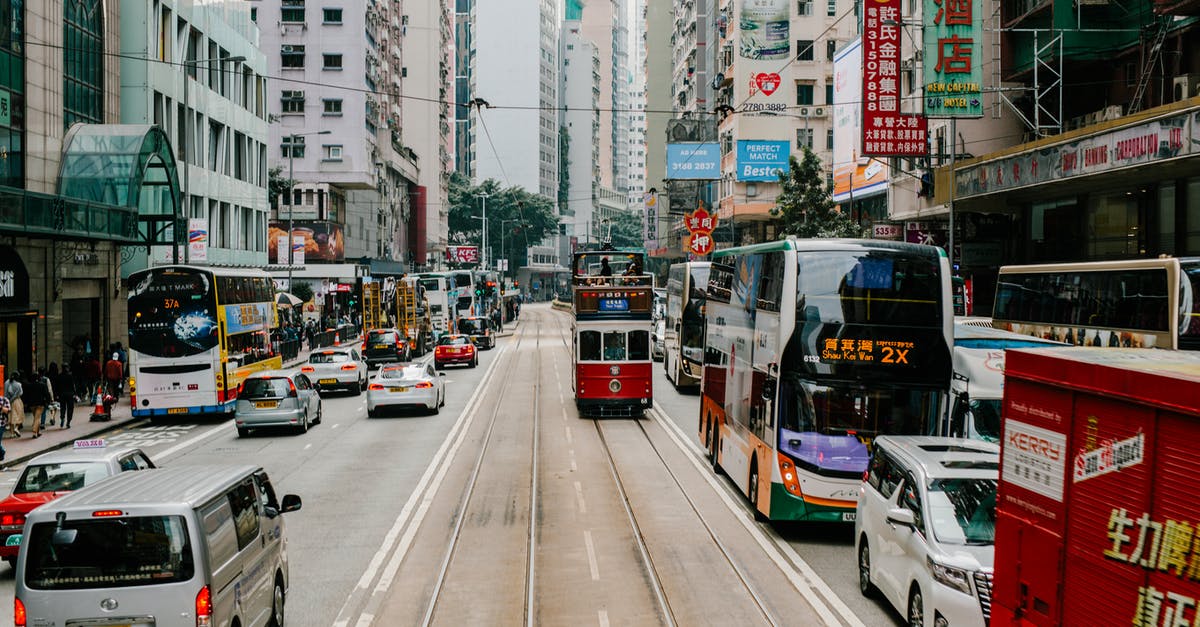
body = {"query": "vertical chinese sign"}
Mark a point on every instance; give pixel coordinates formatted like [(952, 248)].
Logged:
[(650, 220), (886, 131), (953, 65), (700, 225)]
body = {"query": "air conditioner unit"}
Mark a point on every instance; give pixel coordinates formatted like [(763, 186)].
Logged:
[(804, 111), (818, 112), (1185, 86)]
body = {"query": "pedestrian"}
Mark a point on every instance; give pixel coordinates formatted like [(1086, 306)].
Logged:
[(15, 392), (51, 409), (36, 396), (114, 372), (123, 357), (64, 391), (91, 375), (5, 408)]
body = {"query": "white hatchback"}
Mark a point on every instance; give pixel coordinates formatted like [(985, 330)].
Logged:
[(925, 527), (338, 367), (406, 385)]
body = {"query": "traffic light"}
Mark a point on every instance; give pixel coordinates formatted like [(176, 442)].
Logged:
[(491, 288), (479, 290)]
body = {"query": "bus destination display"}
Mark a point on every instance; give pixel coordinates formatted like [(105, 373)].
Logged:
[(835, 350)]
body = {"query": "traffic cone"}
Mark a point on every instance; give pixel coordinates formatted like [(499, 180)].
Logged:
[(98, 410), (337, 339)]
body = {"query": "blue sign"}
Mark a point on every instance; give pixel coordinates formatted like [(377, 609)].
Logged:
[(694, 161), (614, 304), (762, 160), (247, 317)]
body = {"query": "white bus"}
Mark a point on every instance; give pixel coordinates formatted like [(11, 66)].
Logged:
[(683, 334)]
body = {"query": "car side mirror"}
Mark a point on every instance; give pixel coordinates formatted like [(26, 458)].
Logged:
[(901, 516), (291, 503)]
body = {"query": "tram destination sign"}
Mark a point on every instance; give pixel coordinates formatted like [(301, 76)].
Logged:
[(614, 304)]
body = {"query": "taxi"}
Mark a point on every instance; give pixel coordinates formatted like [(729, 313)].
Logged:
[(455, 349), (51, 475)]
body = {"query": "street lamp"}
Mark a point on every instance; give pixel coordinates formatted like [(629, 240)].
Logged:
[(291, 197), (483, 196), (503, 233), (187, 187)]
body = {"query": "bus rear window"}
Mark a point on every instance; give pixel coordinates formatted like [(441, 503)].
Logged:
[(109, 553)]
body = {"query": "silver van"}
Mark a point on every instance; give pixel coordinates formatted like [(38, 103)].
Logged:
[(183, 546)]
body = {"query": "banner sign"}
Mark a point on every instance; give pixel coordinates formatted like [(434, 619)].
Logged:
[(694, 161), (760, 160), (1151, 142), (281, 251), (462, 254), (322, 240), (197, 239), (650, 219), (886, 131), (298, 249), (853, 175), (247, 317), (763, 29), (953, 49)]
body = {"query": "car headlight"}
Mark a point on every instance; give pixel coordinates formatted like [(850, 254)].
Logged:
[(949, 576)]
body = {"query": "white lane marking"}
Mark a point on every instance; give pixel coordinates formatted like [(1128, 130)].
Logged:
[(591, 553), (603, 618), (335, 425), (389, 540), (190, 442), (570, 440), (574, 468), (564, 413), (579, 498), (308, 446), (806, 580), (560, 398)]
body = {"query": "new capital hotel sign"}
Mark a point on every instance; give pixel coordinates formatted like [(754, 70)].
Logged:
[(886, 131), (953, 72)]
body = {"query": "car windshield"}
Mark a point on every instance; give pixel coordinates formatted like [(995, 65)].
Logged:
[(381, 337), (963, 511), (328, 357), (986, 413), (265, 388), (109, 552), (60, 477), (455, 340)]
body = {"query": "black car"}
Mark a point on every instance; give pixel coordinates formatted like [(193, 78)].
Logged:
[(479, 329), (381, 346)]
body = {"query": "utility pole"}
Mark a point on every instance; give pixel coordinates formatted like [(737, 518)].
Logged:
[(483, 196)]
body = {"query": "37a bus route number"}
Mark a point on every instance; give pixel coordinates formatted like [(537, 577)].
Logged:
[(895, 355)]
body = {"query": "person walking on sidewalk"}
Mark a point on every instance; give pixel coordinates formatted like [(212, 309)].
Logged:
[(14, 391), (51, 407), (5, 408), (36, 396), (114, 372), (92, 375), (64, 389)]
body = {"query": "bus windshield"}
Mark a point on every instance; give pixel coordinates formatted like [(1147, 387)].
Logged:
[(172, 313), (878, 287), (691, 331)]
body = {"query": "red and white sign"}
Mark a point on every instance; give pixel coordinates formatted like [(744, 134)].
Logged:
[(462, 254), (767, 82), (887, 230), (700, 225), (886, 131), (341, 287)]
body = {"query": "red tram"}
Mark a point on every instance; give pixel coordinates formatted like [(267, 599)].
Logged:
[(613, 300)]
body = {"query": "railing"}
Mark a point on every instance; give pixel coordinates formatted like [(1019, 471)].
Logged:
[(289, 349), (45, 214), (333, 336)]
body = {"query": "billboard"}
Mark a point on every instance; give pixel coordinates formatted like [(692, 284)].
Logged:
[(694, 161), (321, 241), (762, 160), (462, 254), (197, 239), (851, 171), (886, 131), (953, 49)]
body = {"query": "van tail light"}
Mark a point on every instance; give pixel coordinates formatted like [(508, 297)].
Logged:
[(350, 367), (375, 386), (423, 385), (307, 369), (291, 388), (19, 618), (787, 469), (866, 475), (204, 608)]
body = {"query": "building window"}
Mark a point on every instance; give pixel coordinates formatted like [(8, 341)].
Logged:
[(830, 49), (804, 50), (293, 146), (829, 139), (804, 8), (828, 90), (331, 16), (804, 137), (292, 101), (254, 14), (831, 8), (331, 106), (83, 62), (804, 93), (292, 56), (291, 15), (332, 61), (333, 152)]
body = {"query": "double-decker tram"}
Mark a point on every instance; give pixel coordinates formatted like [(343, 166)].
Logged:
[(195, 334), (613, 302), (812, 349)]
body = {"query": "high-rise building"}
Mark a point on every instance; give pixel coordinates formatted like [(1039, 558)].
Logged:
[(658, 76), (464, 87), (579, 93), (636, 187)]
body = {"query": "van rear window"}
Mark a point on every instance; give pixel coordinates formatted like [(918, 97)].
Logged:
[(109, 553)]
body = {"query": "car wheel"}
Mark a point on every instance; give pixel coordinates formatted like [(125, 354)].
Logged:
[(436, 409), (372, 413), (302, 428), (443, 403), (357, 388), (916, 607), (243, 432), (277, 602), (865, 587), (475, 362), (320, 413)]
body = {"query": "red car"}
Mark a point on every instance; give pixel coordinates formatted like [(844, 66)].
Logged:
[(56, 473), (455, 349)]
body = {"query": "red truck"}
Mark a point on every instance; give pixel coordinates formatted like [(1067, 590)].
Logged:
[(1098, 507)]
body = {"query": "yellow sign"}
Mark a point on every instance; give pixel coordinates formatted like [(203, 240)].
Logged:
[(866, 351)]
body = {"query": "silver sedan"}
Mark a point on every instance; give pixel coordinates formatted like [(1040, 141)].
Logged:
[(406, 385)]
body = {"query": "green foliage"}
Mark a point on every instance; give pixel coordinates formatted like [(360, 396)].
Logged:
[(277, 185), (805, 206), (303, 291), (518, 217), (564, 166), (627, 230)]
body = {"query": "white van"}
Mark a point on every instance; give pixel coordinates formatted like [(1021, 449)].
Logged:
[(199, 546)]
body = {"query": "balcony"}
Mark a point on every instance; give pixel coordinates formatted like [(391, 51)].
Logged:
[(34, 214)]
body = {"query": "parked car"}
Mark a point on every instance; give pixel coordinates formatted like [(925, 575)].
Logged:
[(925, 526), (338, 367), (479, 329), (383, 346), (455, 349), (400, 386), (51, 475), (658, 351), (277, 398)]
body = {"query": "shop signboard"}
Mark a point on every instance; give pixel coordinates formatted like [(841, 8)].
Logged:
[(928, 233), (887, 230), (649, 219), (462, 254), (887, 132), (700, 225), (279, 253), (762, 160), (5, 108), (14, 282), (953, 53), (694, 160)]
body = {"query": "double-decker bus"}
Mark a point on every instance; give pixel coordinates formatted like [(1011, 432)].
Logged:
[(812, 349), (194, 335), (611, 334), (683, 334), (1147, 303)]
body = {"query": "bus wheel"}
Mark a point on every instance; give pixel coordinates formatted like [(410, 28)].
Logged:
[(758, 515), (715, 439)]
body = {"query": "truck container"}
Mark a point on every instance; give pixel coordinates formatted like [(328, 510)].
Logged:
[(1098, 511)]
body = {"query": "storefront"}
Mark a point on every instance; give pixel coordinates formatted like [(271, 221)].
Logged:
[(17, 328)]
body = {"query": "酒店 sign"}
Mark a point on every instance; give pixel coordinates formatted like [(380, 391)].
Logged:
[(953, 58)]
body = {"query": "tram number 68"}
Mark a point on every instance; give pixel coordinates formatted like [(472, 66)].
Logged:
[(895, 355)]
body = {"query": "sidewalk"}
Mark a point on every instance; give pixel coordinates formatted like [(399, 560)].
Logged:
[(20, 450)]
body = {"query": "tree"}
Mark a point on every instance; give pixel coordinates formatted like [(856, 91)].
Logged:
[(303, 291), (805, 206), (627, 230), (517, 219), (277, 185)]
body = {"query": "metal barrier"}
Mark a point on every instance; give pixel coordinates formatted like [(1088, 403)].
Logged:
[(289, 349)]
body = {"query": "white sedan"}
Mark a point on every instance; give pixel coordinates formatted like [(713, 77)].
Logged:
[(406, 385), (337, 367)]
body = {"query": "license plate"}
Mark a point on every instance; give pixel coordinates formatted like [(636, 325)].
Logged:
[(13, 540), (382, 346), (177, 410), (849, 516), (398, 389), (266, 404), (326, 381)]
